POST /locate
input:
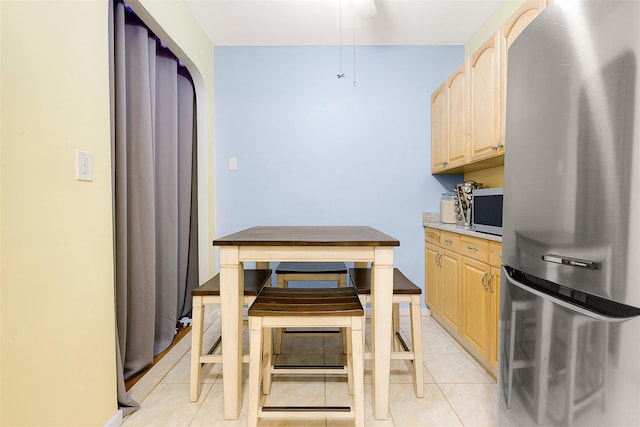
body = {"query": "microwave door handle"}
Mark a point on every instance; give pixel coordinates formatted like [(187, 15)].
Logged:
[(566, 304)]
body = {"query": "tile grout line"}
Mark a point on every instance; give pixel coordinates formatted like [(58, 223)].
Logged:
[(449, 403)]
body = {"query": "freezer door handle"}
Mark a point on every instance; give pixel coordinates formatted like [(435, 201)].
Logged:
[(626, 312)]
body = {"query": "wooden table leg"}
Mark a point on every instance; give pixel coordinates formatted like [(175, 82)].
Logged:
[(381, 306), (231, 296)]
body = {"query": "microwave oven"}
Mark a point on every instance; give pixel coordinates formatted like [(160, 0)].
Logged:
[(486, 211)]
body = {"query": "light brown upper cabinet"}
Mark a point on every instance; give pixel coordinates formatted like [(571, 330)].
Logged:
[(449, 131), (485, 136), (457, 110), (509, 32), (468, 111), (439, 129)]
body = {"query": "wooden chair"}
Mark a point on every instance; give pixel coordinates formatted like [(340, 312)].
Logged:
[(309, 308), (404, 291), (308, 272), (209, 293)]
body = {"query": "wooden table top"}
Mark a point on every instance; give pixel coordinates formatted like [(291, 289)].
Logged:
[(308, 236)]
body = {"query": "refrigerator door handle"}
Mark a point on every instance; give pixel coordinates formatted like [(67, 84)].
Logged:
[(566, 304)]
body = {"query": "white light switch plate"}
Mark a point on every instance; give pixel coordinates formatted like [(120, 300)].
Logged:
[(84, 166), (233, 163)]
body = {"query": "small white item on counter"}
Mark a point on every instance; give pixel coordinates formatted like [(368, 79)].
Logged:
[(448, 208)]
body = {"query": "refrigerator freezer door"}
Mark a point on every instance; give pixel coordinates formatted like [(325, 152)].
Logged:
[(572, 162), (562, 366)]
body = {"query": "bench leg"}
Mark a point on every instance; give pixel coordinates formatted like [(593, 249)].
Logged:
[(349, 351), (416, 341), (342, 283), (357, 358), (281, 283), (267, 359), (255, 365), (196, 348), (364, 299), (395, 316)]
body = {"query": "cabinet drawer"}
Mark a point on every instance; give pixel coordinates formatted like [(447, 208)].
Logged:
[(477, 249), (450, 241), (432, 235), (495, 254)]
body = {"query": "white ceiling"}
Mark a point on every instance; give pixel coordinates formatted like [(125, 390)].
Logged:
[(317, 22)]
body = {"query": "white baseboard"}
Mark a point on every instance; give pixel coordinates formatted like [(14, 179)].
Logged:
[(116, 420)]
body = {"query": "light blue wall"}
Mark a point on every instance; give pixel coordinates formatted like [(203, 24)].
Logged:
[(315, 150)]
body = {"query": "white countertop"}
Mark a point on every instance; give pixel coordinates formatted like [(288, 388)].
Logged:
[(432, 220)]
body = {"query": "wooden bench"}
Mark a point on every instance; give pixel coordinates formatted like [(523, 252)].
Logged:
[(312, 272), (309, 308), (209, 293), (404, 291), (308, 272)]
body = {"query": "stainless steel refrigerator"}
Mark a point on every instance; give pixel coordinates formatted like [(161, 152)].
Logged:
[(569, 329)]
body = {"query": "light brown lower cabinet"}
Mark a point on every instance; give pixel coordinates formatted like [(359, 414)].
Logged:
[(462, 286), (442, 294), (450, 312), (476, 306), (494, 288)]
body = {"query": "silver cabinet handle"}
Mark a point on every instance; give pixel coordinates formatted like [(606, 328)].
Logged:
[(490, 281), (448, 241), (444, 163), (472, 248), (484, 281)]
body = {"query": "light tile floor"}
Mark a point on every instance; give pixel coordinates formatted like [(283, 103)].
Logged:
[(457, 390)]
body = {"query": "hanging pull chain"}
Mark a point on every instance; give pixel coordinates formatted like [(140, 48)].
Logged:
[(354, 46), (340, 74)]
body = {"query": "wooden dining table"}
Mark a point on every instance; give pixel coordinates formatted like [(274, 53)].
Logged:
[(264, 244)]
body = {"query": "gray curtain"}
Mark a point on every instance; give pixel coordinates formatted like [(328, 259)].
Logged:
[(155, 203)]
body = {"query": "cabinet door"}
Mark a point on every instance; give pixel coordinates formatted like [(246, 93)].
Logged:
[(439, 129), (509, 32), (450, 280), (432, 277), (458, 146), (484, 101), (494, 291), (476, 305)]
